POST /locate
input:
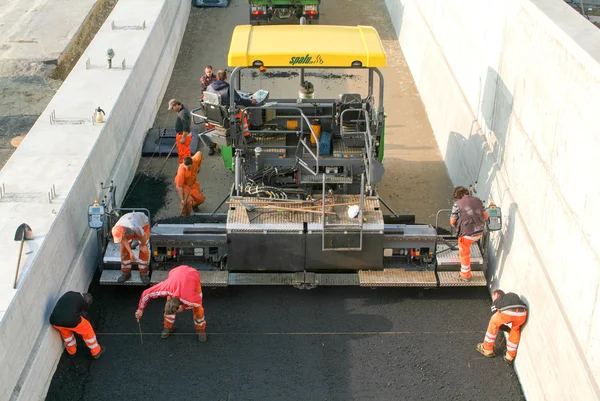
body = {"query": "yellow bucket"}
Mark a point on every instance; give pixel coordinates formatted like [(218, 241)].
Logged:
[(316, 127)]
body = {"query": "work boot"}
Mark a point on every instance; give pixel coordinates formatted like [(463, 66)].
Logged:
[(166, 332), (196, 209), (485, 352), (461, 278), (509, 359), (123, 278), (211, 150), (99, 354), (202, 337), (145, 279)]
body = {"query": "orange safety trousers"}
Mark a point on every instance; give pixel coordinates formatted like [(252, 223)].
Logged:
[(464, 252), (144, 256), (183, 149), (198, 312), (517, 318), (193, 197), (244, 117), (85, 330)]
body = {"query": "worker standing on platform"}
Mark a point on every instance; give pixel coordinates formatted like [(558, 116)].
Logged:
[(68, 318), (132, 226), (187, 185), (508, 308), (183, 138), (468, 217), (183, 291)]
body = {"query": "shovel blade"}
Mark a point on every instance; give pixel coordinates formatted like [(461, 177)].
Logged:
[(23, 232)]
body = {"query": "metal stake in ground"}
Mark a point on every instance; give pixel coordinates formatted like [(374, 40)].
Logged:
[(140, 327), (23, 233)]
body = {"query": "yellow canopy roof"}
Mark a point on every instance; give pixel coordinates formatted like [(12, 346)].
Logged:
[(309, 46)]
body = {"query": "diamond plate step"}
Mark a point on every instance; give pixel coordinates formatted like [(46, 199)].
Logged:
[(397, 278), (109, 277), (214, 278), (261, 278), (446, 256), (335, 279), (450, 279)]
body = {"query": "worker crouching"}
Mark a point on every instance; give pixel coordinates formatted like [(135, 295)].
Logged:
[(469, 217), (183, 290), (187, 185), (509, 310), (68, 318), (132, 226)]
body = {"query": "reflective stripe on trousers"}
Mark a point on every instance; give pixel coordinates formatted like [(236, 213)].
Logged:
[(497, 320), (84, 328)]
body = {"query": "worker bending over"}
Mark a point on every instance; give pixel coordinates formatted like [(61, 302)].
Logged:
[(187, 185), (183, 291), (508, 308), (132, 226), (468, 217), (183, 139), (68, 318)]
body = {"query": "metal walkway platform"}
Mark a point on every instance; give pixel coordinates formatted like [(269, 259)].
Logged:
[(447, 256), (450, 279), (397, 278), (385, 278)]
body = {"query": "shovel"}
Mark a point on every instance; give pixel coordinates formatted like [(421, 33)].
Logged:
[(250, 208), (23, 233)]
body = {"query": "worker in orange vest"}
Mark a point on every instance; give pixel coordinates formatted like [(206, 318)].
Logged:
[(132, 226), (508, 309), (469, 217), (183, 290), (68, 318), (187, 185)]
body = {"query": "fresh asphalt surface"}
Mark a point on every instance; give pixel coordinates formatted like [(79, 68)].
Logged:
[(280, 343)]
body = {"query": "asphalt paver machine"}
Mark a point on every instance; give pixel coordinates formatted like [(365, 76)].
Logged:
[(303, 209)]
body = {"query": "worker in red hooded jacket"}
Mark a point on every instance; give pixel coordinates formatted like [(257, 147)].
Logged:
[(183, 290)]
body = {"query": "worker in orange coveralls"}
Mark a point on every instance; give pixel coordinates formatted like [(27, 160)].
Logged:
[(183, 291), (183, 138), (68, 318), (187, 185), (509, 309), (132, 226), (469, 217)]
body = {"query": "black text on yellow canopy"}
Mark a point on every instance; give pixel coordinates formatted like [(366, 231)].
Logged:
[(306, 46)]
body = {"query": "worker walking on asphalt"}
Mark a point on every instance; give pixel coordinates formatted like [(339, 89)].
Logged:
[(132, 226), (183, 139), (68, 318), (187, 185), (508, 308), (183, 291), (468, 217)]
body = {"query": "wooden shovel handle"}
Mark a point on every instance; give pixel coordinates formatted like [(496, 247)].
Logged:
[(19, 261)]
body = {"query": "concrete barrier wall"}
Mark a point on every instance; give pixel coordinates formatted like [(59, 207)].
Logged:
[(75, 158), (512, 91)]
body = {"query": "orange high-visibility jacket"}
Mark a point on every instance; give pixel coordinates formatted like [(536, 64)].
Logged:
[(183, 282), (187, 177)]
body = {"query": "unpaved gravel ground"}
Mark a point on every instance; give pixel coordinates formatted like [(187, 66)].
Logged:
[(280, 343), (27, 87)]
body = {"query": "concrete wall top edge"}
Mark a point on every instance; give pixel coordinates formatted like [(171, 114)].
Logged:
[(54, 153)]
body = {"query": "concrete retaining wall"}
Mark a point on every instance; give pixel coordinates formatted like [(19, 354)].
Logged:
[(75, 158), (512, 91)]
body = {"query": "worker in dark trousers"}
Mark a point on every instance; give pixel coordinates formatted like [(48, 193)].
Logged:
[(68, 318), (508, 309), (468, 217), (183, 138)]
